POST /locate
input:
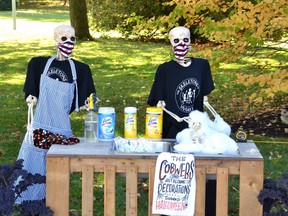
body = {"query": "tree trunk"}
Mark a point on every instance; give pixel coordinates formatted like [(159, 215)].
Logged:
[(79, 20)]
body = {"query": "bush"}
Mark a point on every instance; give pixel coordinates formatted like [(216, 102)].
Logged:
[(123, 15), (5, 5), (274, 197), (9, 191)]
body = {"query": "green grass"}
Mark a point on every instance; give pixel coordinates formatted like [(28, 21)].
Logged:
[(123, 72)]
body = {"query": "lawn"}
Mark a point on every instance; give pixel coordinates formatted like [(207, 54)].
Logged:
[(123, 72)]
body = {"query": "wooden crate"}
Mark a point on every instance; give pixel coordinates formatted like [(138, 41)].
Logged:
[(87, 159)]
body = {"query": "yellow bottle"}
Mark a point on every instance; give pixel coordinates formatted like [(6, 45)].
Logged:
[(154, 123), (130, 122)]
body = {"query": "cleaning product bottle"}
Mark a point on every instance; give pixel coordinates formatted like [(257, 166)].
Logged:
[(91, 121), (130, 122), (154, 123), (107, 120)]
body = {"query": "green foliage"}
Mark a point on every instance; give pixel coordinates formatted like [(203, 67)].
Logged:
[(124, 15), (239, 26), (10, 191), (242, 28), (273, 196), (6, 5)]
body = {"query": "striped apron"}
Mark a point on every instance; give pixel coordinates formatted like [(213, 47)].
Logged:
[(52, 114)]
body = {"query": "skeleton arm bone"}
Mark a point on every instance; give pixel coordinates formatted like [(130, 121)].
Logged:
[(212, 110), (162, 105)]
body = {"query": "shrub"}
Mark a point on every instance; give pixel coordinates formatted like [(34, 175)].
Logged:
[(10, 191), (274, 197), (124, 15), (5, 5)]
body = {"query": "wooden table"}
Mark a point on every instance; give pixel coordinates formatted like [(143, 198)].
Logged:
[(97, 157)]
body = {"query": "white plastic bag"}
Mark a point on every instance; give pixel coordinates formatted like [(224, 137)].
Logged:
[(219, 124)]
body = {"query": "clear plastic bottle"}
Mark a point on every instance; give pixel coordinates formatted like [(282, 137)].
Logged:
[(91, 123)]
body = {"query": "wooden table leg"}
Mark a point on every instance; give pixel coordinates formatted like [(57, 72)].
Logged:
[(109, 190), (251, 183), (57, 187), (87, 190), (222, 191), (200, 191), (131, 190)]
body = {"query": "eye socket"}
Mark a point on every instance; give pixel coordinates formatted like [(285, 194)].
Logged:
[(65, 38), (176, 40), (186, 40)]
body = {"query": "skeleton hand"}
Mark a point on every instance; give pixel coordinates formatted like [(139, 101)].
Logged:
[(161, 104), (31, 99), (195, 125)]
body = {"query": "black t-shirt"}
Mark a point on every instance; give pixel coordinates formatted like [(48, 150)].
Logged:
[(182, 89), (61, 71)]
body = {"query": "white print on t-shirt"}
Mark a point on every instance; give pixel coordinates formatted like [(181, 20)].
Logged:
[(185, 94), (57, 74)]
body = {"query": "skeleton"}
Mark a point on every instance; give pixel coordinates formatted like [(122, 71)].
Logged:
[(64, 37), (201, 130), (180, 40)]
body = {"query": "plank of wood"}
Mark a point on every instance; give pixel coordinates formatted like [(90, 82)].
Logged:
[(87, 190), (131, 190), (58, 183), (200, 191), (251, 183), (109, 190), (222, 192)]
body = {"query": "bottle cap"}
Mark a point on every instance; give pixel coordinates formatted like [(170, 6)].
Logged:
[(106, 110), (154, 110), (130, 110)]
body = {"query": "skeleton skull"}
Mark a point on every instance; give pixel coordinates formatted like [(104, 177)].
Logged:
[(65, 39), (180, 40)]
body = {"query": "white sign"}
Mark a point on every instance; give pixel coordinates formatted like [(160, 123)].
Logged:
[(174, 185)]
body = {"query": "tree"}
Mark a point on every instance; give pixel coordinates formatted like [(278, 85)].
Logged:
[(124, 15), (79, 20)]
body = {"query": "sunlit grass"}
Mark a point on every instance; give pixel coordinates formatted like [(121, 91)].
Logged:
[(15, 80), (123, 71)]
